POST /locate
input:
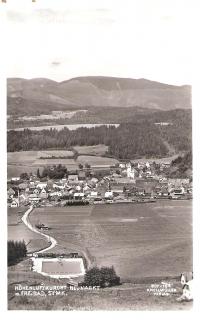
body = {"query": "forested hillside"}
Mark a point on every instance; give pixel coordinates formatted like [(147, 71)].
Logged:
[(181, 167), (82, 92), (144, 136)]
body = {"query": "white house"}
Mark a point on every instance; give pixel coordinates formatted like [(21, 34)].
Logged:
[(147, 165), (178, 192), (78, 195), (58, 186), (15, 178), (41, 185), (56, 193), (108, 194), (14, 203), (122, 165), (93, 193), (43, 194)]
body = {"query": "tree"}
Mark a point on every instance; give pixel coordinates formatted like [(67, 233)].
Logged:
[(24, 176), (16, 251), (87, 166), (80, 166), (38, 173), (104, 277)]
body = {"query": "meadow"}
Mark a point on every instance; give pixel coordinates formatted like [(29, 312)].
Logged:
[(30, 161), (124, 297), (96, 150), (139, 240), (18, 231), (95, 160)]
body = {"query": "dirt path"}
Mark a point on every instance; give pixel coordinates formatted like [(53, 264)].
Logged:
[(52, 242)]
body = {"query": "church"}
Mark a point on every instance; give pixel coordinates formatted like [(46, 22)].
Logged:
[(131, 172)]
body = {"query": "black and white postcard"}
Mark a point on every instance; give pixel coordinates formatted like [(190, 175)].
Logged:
[(99, 155)]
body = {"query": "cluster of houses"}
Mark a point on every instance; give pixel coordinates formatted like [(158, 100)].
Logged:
[(122, 182)]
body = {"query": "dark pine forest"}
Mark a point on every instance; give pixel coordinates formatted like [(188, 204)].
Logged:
[(140, 137)]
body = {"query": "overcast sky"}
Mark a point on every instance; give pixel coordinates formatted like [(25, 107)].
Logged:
[(63, 39)]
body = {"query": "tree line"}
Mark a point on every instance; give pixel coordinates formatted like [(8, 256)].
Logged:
[(139, 138), (16, 251), (126, 141)]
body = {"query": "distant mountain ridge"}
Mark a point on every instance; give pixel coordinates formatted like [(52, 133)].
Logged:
[(95, 91)]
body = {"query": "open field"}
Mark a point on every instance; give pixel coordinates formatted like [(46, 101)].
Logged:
[(17, 170), (96, 150), (69, 163), (139, 240), (18, 231), (29, 161), (93, 160), (29, 157)]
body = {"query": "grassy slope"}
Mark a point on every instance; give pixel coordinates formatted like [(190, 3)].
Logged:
[(154, 244), (18, 231), (132, 294), (29, 161), (125, 297)]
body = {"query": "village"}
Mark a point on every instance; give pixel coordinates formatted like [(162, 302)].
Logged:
[(127, 181)]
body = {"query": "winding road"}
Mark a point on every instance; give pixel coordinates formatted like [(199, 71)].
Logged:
[(52, 241)]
